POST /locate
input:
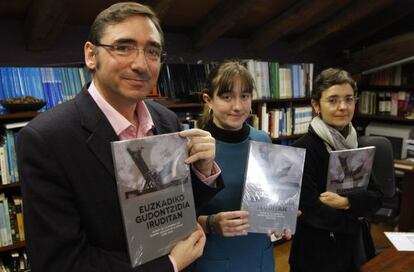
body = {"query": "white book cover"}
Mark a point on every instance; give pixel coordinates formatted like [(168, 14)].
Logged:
[(403, 241), (155, 193), (349, 170), (272, 186)]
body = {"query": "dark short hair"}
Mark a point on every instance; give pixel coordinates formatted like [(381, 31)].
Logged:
[(330, 77), (119, 12)]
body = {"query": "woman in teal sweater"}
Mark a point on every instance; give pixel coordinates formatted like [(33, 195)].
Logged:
[(228, 99)]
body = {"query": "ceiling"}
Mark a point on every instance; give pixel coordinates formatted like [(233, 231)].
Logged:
[(357, 33)]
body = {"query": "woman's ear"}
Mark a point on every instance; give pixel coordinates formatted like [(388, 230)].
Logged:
[(315, 105), (206, 98)]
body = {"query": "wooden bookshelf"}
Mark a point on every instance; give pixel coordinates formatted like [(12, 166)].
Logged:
[(14, 246), (10, 186), (184, 105), (282, 100), (388, 118), (25, 115), (387, 88)]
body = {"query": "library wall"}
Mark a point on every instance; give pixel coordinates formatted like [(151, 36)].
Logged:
[(68, 49)]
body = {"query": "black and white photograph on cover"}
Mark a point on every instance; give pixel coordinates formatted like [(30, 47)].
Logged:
[(349, 170), (155, 194), (272, 186), (152, 165)]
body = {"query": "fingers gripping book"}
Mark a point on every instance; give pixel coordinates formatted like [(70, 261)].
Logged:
[(155, 193), (272, 186)]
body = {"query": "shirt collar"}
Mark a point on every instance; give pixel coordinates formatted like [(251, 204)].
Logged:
[(118, 122)]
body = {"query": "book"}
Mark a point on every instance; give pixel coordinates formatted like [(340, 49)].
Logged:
[(272, 186), (155, 194), (403, 241), (349, 170), (404, 164)]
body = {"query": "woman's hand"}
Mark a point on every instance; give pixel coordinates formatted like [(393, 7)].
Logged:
[(334, 200), (231, 224), (275, 236)]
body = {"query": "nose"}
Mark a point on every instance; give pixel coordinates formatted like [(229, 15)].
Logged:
[(343, 104), (237, 103), (140, 62)]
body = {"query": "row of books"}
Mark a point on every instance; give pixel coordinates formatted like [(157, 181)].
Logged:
[(386, 103), (11, 220), (283, 121), (181, 81), (281, 81), (176, 81), (8, 161), (51, 84), (394, 76), (16, 262)]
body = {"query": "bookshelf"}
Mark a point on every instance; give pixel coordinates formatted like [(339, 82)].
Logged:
[(181, 96), (294, 115), (11, 193), (386, 96)]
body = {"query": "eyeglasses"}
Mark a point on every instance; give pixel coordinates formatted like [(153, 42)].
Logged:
[(127, 52), (335, 101)]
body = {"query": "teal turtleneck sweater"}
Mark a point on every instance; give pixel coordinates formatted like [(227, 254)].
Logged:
[(254, 252)]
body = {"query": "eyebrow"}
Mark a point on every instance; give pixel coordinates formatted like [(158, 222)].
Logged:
[(335, 95), (132, 41)]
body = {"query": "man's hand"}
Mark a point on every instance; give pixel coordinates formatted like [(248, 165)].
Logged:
[(201, 149), (187, 251), (232, 223), (334, 200)]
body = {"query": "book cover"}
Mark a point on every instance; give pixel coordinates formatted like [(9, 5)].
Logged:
[(349, 170), (272, 186), (155, 193)]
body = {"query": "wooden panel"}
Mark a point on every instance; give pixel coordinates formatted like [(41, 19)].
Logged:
[(406, 222), (220, 20), (309, 12), (13, 9), (188, 13), (391, 50), (44, 22), (262, 12), (390, 260), (346, 18)]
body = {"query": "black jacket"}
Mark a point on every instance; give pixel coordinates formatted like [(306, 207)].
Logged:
[(72, 214), (328, 239)]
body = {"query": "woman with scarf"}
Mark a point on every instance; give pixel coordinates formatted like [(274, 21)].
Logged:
[(329, 234)]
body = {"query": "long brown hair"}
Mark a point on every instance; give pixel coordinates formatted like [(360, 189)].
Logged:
[(221, 80)]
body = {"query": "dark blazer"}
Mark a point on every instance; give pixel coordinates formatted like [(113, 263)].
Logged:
[(71, 209), (328, 239)]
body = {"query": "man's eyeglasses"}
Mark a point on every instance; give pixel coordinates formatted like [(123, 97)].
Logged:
[(335, 101), (127, 52)]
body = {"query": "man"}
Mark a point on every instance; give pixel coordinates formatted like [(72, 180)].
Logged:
[(71, 208)]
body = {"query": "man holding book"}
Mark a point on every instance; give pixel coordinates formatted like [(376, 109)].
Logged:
[(72, 211)]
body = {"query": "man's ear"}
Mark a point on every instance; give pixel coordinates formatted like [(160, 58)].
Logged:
[(90, 55)]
